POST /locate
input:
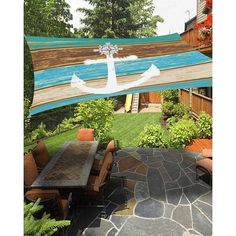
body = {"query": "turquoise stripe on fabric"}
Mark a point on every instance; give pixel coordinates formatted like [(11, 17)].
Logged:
[(191, 84), (62, 75), (51, 42)]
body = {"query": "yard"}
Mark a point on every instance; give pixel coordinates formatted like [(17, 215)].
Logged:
[(126, 128)]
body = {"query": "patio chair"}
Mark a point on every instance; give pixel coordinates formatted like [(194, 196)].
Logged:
[(53, 202), (85, 135), (207, 153), (205, 165), (41, 155), (30, 170), (97, 164)]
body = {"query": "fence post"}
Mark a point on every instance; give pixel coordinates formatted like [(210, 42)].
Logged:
[(190, 97)]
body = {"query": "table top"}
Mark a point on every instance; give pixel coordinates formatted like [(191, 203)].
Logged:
[(70, 167)]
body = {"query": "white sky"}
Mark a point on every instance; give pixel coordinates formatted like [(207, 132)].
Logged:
[(173, 12)]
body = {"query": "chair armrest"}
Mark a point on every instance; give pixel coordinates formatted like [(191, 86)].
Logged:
[(44, 194)]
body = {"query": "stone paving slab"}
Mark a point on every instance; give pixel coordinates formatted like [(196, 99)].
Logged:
[(164, 197)]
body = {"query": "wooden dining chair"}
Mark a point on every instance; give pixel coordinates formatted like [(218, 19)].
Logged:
[(85, 134), (97, 164), (96, 183), (41, 155), (30, 170), (53, 202)]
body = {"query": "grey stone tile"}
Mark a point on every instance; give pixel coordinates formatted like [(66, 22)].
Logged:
[(207, 198), (156, 184), (164, 174), (118, 220), (205, 208), (149, 208), (112, 232), (141, 191), (174, 196), (184, 200), (172, 169), (195, 191), (184, 181), (98, 228), (191, 231), (182, 214), (201, 223), (109, 209), (156, 164), (130, 175), (118, 197), (168, 210), (145, 151), (171, 185), (171, 156), (192, 177), (144, 227)]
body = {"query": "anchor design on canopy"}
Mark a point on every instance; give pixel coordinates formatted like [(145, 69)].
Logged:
[(112, 85)]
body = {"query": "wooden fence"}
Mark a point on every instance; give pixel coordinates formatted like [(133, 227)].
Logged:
[(197, 102)]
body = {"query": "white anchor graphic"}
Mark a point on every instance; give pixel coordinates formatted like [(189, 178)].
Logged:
[(112, 85)]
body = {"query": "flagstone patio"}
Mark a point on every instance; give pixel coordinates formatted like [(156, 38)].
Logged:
[(162, 197)]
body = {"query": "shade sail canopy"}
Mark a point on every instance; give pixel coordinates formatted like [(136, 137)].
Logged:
[(56, 60)]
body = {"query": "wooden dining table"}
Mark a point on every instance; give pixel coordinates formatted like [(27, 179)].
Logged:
[(70, 167)]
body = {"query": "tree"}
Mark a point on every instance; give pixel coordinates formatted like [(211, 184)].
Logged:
[(119, 18), (43, 226), (47, 18)]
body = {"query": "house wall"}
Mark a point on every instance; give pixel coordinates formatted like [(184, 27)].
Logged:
[(200, 16)]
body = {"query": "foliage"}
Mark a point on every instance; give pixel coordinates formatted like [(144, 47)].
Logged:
[(204, 125), (40, 132), (66, 124), (96, 114), (40, 227), (123, 19), (171, 121), (167, 109), (170, 96), (180, 110), (27, 105), (182, 133), (47, 18), (152, 136)]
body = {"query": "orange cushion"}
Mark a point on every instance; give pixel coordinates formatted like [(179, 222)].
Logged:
[(30, 169), (85, 135), (44, 194), (41, 155), (107, 161), (206, 163), (207, 153), (93, 183), (97, 164)]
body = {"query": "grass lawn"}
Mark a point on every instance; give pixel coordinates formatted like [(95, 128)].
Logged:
[(126, 128)]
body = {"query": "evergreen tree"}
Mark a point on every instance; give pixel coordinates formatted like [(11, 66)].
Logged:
[(119, 19), (40, 227), (47, 18)]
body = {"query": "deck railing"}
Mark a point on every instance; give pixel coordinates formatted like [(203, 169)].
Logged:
[(197, 102)]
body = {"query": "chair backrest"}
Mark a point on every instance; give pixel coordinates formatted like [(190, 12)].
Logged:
[(85, 135), (111, 146), (41, 155), (30, 169), (107, 161)]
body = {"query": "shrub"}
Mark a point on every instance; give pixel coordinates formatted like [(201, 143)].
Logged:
[(182, 133), (171, 121), (43, 226), (152, 136), (204, 125), (167, 109), (40, 132), (180, 110), (66, 124), (98, 115), (170, 96)]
